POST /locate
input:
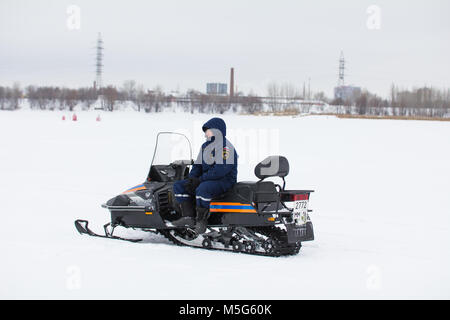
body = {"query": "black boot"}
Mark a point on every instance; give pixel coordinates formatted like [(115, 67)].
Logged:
[(187, 215), (202, 220)]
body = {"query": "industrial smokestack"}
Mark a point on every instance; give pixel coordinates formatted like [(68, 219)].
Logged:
[(232, 83)]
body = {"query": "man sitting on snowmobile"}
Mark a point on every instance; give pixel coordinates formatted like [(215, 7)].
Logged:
[(213, 173)]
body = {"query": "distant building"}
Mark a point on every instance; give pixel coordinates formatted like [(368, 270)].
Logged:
[(217, 88), (347, 93)]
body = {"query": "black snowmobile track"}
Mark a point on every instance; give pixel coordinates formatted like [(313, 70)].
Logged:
[(277, 236)]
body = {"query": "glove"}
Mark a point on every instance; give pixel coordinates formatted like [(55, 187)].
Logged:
[(191, 185)]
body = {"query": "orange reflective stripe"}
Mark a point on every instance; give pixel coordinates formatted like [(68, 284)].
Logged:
[(136, 189), (233, 210), (229, 204)]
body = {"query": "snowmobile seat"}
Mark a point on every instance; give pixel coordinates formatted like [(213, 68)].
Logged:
[(257, 191), (261, 192), (251, 191)]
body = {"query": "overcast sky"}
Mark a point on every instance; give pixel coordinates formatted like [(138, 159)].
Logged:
[(182, 44)]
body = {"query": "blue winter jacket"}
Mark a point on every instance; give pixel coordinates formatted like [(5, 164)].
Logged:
[(222, 163)]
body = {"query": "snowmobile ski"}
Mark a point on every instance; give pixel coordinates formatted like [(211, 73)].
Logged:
[(82, 227)]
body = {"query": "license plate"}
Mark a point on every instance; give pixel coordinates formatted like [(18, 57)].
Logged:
[(300, 213)]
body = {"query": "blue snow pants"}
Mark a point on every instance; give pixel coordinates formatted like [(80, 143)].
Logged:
[(206, 191)]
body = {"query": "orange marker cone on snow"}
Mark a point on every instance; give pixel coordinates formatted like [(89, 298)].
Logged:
[(98, 118), (63, 118), (74, 117)]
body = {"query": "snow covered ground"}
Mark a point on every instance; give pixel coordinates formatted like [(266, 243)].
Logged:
[(381, 209)]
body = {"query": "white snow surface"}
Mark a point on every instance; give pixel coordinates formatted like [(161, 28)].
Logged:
[(381, 209)]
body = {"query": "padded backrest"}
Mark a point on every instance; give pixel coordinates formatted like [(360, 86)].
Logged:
[(273, 166)]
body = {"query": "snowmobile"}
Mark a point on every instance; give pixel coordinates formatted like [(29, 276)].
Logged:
[(257, 217)]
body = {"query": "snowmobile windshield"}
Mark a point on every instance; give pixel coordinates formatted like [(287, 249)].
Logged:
[(170, 147)]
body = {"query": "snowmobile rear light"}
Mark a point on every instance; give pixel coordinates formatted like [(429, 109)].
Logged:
[(295, 197)]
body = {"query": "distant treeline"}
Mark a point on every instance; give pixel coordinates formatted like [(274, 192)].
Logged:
[(426, 101), (155, 100)]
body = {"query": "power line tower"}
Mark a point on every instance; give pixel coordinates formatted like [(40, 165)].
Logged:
[(99, 62), (341, 70)]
